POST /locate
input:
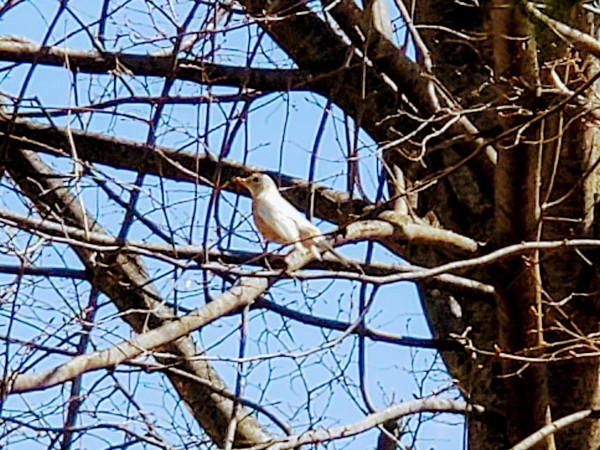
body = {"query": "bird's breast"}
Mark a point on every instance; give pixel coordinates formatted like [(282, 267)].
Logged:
[(263, 222)]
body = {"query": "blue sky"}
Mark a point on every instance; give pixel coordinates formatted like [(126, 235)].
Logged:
[(313, 384)]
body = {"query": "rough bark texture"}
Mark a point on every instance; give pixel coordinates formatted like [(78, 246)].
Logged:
[(543, 185), (522, 181)]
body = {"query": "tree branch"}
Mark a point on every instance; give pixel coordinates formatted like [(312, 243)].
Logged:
[(579, 39), (431, 405), (407, 75), (240, 295), (331, 205), (376, 273), (361, 330), (554, 427), (123, 278), (61, 272), (265, 80)]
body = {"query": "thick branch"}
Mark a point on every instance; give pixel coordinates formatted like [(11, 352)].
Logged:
[(241, 295), (408, 77), (123, 279), (330, 205), (266, 80)]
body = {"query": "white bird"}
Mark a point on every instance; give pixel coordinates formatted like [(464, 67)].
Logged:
[(279, 221)]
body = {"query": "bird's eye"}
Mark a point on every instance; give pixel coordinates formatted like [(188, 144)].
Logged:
[(255, 179)]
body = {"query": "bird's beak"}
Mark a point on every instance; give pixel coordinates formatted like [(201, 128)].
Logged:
[(241, 181)]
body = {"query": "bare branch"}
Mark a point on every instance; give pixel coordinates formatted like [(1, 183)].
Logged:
[(123, 278), (265, 80), (579, 39), (331, 205), (375, 335), (409, 80), (62, 272), (554, 427), (431, 405), (238, 296), (376, 273)]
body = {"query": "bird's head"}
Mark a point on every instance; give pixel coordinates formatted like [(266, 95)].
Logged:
[(257, 183)]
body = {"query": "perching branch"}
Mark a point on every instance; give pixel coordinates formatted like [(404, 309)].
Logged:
[(227, 261), (329, 204)]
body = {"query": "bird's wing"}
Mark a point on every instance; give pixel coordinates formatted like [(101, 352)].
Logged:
[(311, 235), (305, 227), (280, 213), (278, 221)]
